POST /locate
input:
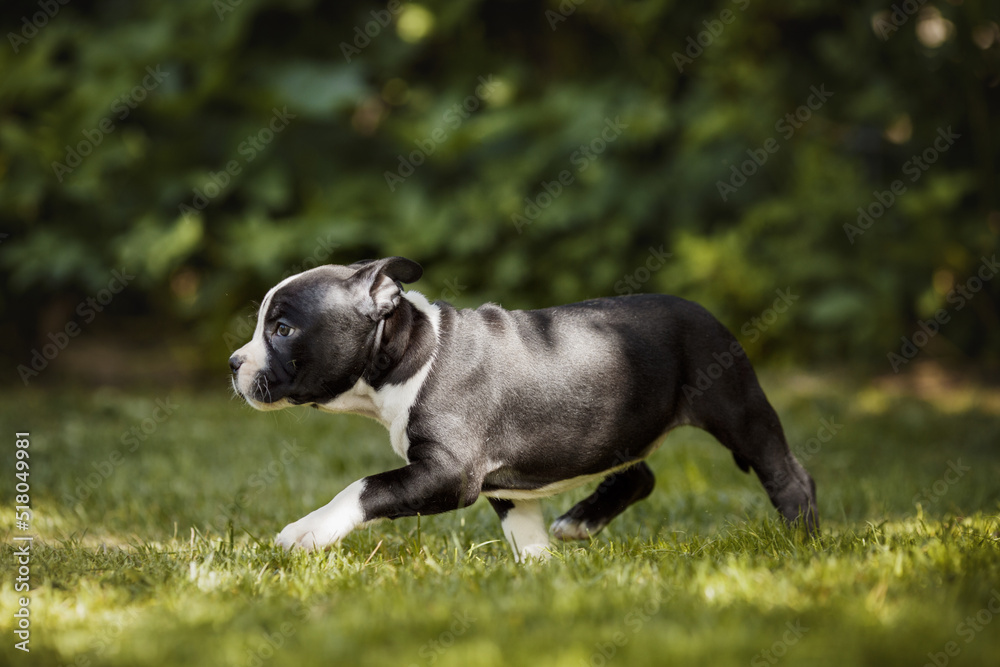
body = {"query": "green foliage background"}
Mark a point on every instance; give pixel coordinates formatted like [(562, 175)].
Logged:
[(559, 73)]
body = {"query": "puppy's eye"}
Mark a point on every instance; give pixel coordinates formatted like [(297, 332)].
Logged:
[(283, 330)]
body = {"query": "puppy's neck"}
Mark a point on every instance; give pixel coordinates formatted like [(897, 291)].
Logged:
[(407, 343), (391, 381)]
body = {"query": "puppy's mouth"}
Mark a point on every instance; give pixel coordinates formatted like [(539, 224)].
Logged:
[(257, 392)]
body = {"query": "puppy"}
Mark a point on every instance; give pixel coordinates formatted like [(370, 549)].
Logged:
[(511, 405)]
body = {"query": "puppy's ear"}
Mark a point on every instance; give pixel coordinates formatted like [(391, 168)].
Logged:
[(379, 280)]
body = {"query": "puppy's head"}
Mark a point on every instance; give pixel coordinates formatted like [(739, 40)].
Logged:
[(316, 331)]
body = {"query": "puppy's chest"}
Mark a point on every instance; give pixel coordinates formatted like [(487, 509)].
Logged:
[(395, 404), (399, 439)]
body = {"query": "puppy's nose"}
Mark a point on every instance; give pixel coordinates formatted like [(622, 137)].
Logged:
[(235, 362)]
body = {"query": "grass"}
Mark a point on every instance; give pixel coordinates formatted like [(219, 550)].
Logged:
[(163, 555)]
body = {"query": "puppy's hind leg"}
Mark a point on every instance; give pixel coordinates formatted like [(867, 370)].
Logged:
[(524, 527), (618, 490), (750, 428)]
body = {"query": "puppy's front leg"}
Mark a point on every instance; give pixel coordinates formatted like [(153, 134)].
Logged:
[(327, 525), (419, 488)]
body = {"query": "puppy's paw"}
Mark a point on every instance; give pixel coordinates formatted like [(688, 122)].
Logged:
[(328, 525), (567, 528), (539, 552), (304, 534)]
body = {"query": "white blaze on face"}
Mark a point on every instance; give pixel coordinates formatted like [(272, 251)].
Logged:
[(255, 355), (390, 405)]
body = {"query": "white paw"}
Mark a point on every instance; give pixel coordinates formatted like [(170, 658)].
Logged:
[(534, 551), (306, 534), (326, 526), (572, 529)]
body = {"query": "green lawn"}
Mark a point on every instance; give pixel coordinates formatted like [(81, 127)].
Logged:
[(162, 555)]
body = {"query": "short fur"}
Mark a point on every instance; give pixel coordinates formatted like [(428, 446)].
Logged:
[(513, 405)]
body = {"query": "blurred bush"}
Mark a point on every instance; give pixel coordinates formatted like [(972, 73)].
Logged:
[(530, 153)]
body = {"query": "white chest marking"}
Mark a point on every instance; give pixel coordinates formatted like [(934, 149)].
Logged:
[(391, 404)]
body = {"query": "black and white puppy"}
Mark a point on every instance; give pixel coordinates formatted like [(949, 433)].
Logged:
[(511, 405)]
